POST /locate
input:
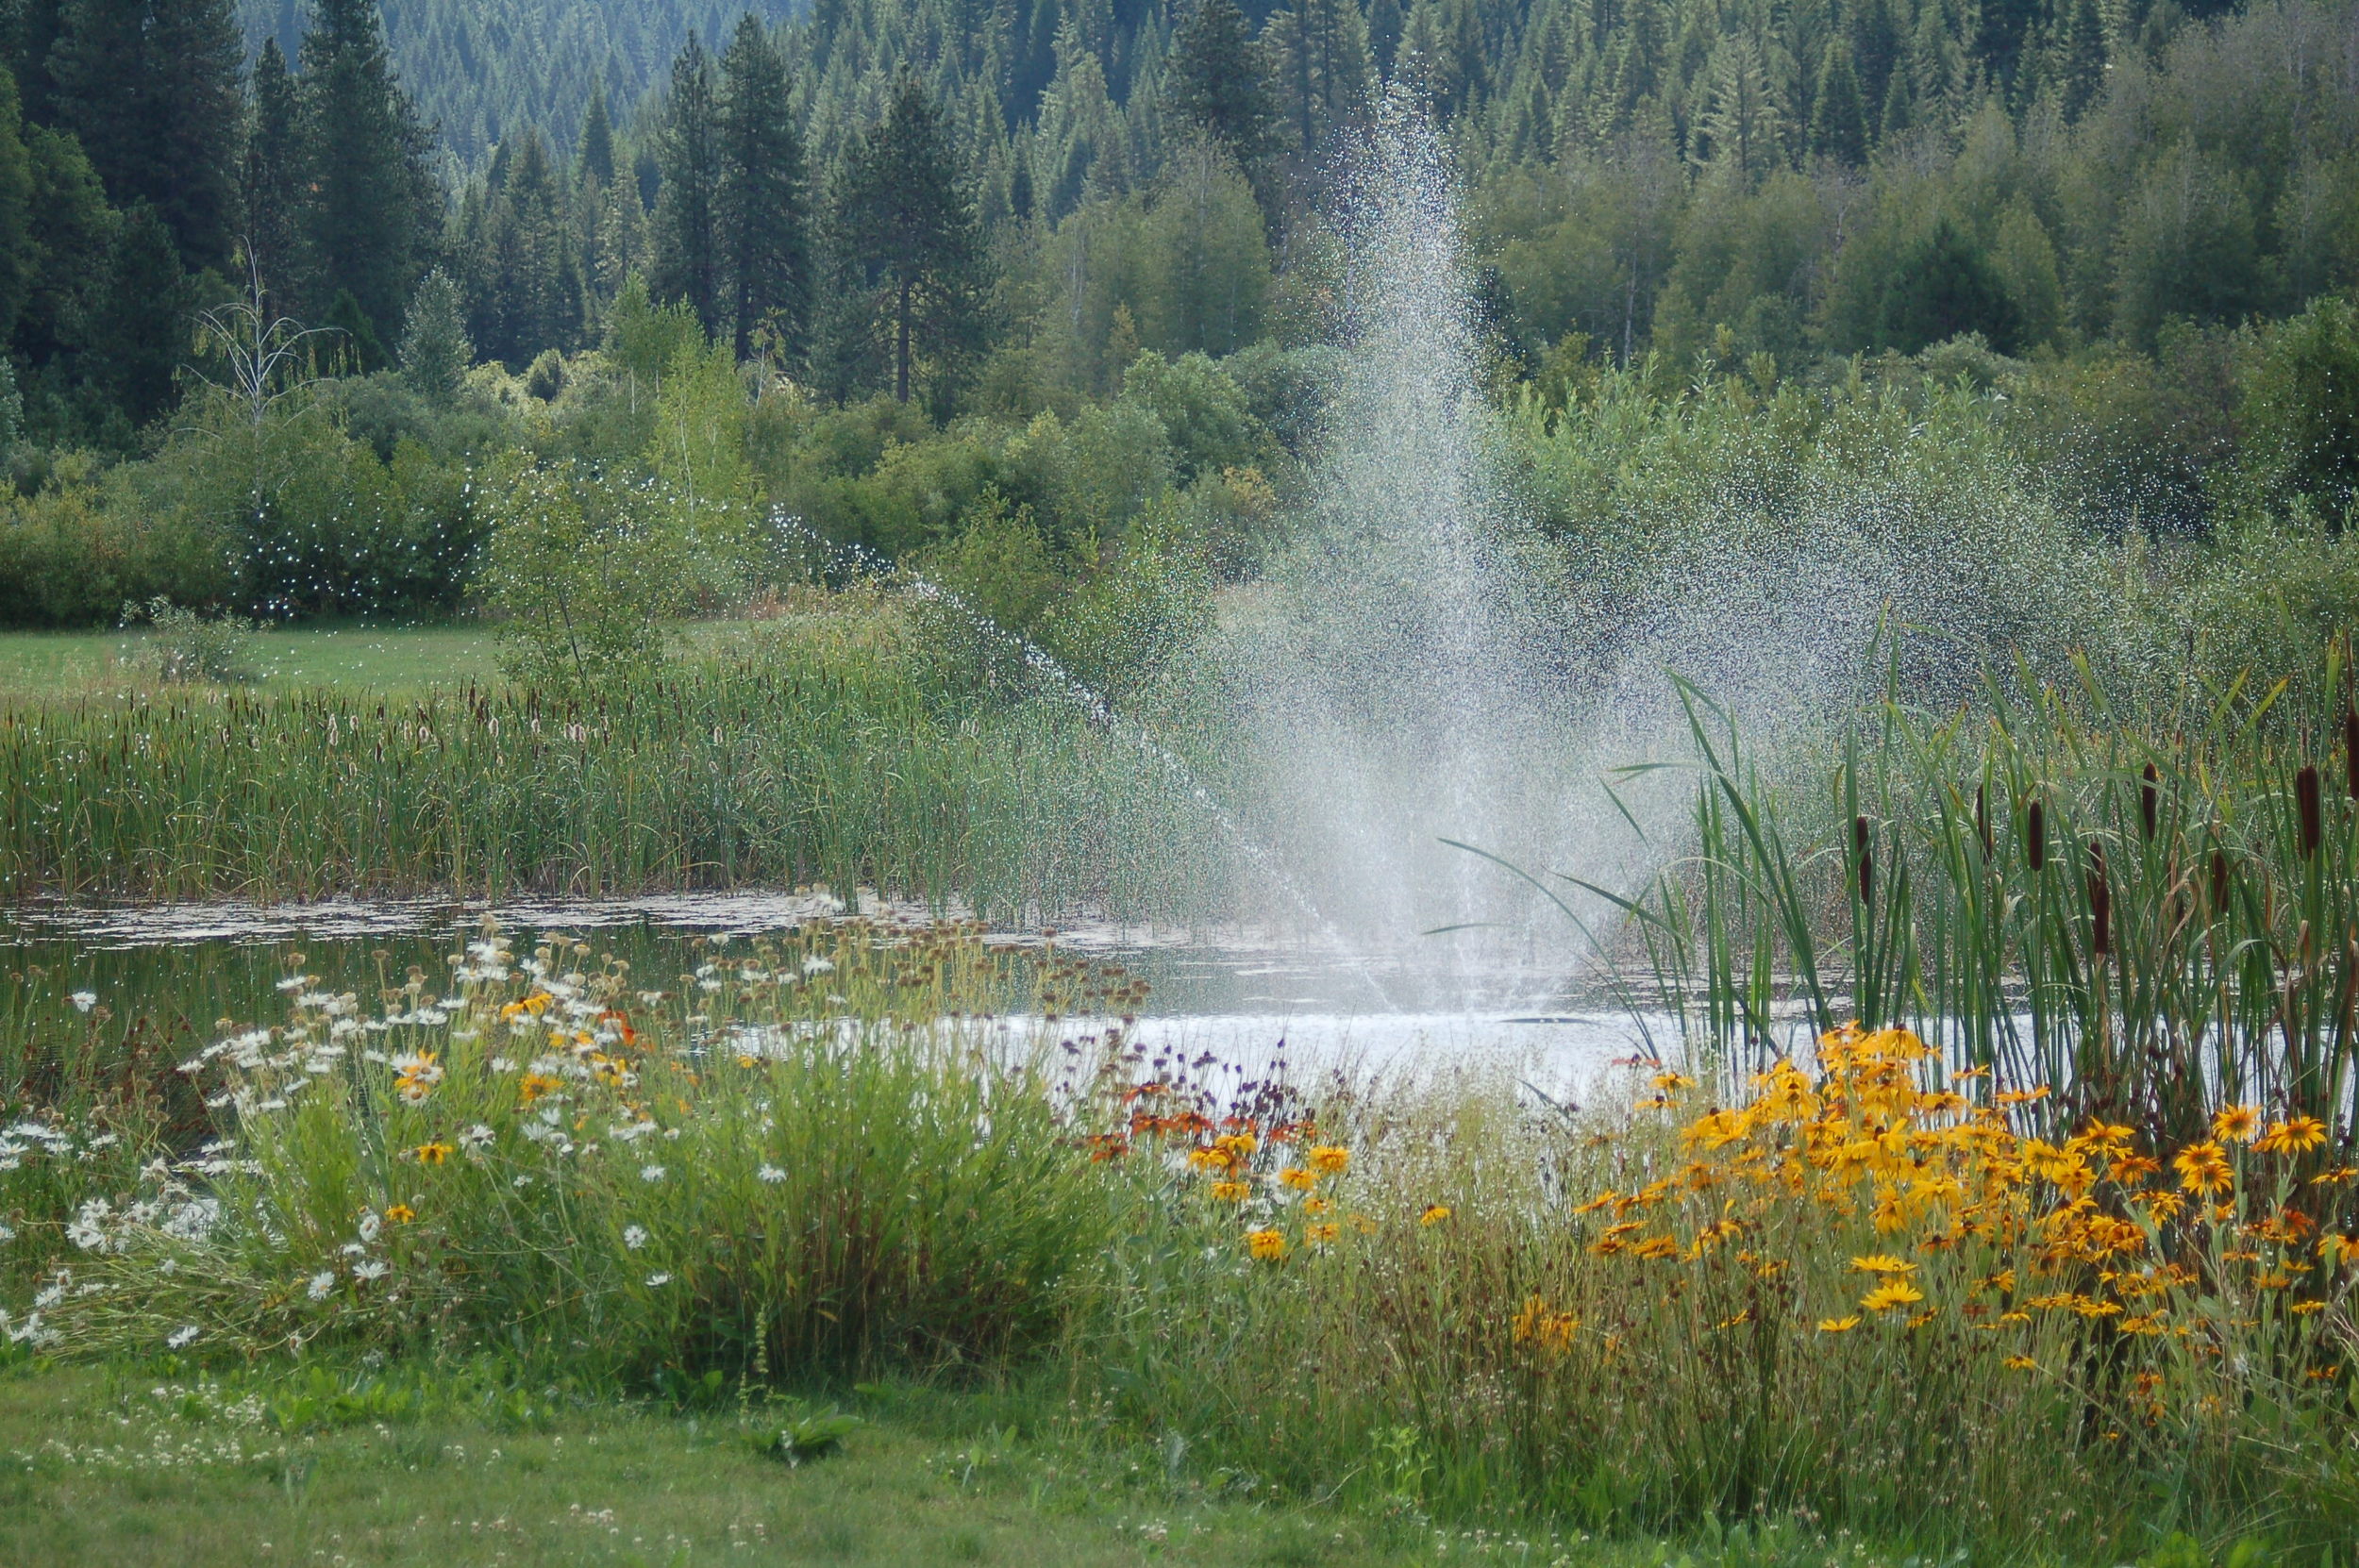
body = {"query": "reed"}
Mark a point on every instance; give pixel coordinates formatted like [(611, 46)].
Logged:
[(793, 763), (2150, 914)]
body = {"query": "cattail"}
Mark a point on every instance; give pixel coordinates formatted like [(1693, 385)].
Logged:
[(2148, 802), (2219, 882), (2100, 903), (2350, 751), (2035, 836), (2306, 804), (1867, 859), (1982, 819)]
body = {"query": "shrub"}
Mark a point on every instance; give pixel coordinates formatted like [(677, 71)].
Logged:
[(186, 646), (588, 571)]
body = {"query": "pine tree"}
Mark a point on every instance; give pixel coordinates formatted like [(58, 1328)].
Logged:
[(373, 205), (1743, 131), (761, 215), (435, 353), (1216, 82), (150, 88), (687, 259), (1839, 119), (523, 276), (274, 185), (16, 195), (135, 342), (597, 144), (1319, 56), (906, 241)]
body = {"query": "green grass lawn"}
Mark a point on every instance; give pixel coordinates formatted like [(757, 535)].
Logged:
[(98, 1467)]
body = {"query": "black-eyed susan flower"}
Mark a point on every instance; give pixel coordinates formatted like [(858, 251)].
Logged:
[(2295, 1135), (1329, 1158), (2203, 1168), (1838, 1326), (1266, 1247), (1434, 1214), (2239, 1124), (1891, 1295)]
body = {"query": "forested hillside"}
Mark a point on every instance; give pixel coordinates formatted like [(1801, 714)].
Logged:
[(270, 316)]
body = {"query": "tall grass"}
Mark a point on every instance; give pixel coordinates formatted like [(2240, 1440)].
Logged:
[(2150, 914), (799, 761)]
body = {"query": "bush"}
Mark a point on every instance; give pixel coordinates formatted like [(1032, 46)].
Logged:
[(588, 571), (186, 646), (73, 552)]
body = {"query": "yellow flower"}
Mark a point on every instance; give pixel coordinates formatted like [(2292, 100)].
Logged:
[(1838, 1326), (399, 1214), (1670, 1082), (1318, 1206), (1879, 1263), (1231, 1192), (1896, 1292), (1267, 1247), (2022, 1363), (432, 1154), (1237, 1145), (1319, 1235), (533, 1085), (1331, 1159), (1434, 1214), (2202, 1168), (2240, 1122), (1208, 1159), (1299, 1178), (2293, 1136)]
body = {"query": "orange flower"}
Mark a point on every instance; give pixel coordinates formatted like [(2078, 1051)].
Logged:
[(1231, 1192), (1267, 1247), (399, 1214), (1434, 1214), (1299, 1178), (1331, 1159), (2202, 1168)]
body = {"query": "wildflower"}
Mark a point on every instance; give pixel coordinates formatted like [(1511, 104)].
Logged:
[(83, 1000), (1882, 1263), (1319, 1235), (1208, 1159), (371, 1268), (634, 1237), (400, 1214), (1238, 1146), (651, 1172), (475, 1139), (1434, 1214), (1672, 1082), (534, 1085), (1329, 1158), (659, 1281), (1267, 1247), (182, 1337), (1299, 1178), (1895, 1292), (2202, 1168), (321, 1284), (2020, 1363), (1838, 1326), (415, 1077), (770, 1174), (2237, 1123), (1653, 1248), (432, 1154), (2295, 1135), (1231, 1191), (1318, 1206)]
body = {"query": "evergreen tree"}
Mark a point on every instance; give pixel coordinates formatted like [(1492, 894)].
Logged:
[(597, 144), (16, 196), (687, 255), (906, 241), (150, 88), (373, 205), (273, 184), (1384, 27), (1216, 82), (141, 326), (761, 215), (435, 353), (1942, 287), (1743, 131), (524, 276), (1318, 51), (1839, 118)]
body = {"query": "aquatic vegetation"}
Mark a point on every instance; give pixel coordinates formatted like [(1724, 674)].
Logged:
[(805, 757)]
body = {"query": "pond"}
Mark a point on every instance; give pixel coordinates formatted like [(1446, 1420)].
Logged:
[(1246, 997)]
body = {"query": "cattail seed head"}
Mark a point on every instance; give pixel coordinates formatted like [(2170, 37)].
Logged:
[(1982, 818), (2306, 806), (2100, 903), (2035, 836), (1865, 856), (2219, 882), (2149, 805)]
